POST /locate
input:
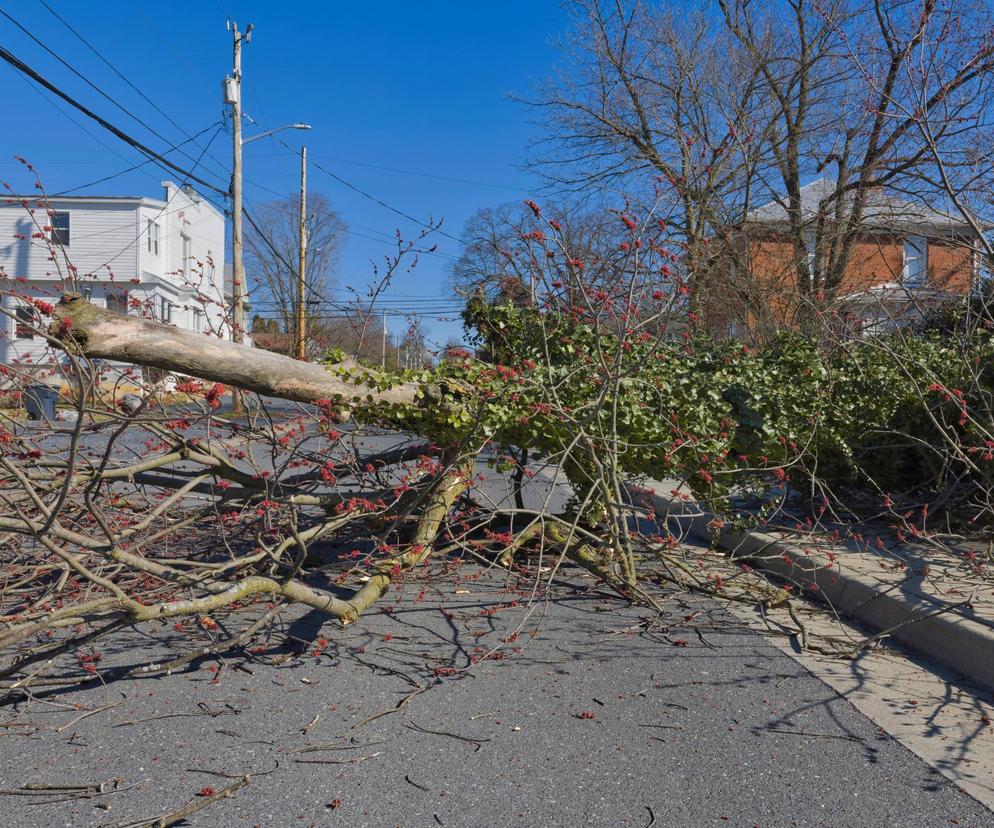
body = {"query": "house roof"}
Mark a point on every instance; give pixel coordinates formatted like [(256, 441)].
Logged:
[(36, 199), (883, 209), (39, 199)]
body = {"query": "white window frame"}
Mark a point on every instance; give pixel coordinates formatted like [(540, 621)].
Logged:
[(810, 239), (33, 322), (165, 310), (153, 237), (914, 273), (186, 245), (198, 320), (54, 235)]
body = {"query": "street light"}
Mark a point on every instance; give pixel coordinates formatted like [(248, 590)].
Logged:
[(272, 131)]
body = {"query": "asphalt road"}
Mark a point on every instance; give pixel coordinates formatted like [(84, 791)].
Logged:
[(595, 714), (596, 720)]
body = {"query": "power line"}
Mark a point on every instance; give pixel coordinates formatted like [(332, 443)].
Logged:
[(157, 157), (21, 66), (321, 298), (380, 201), (417, 173), (159, 135), (90, 83), (425, 175), (117, 71), (164, 208), (69, 190), (445, 304), (440, 317), (61, 111)]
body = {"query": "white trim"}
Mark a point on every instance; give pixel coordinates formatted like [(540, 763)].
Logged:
[(914, 270)]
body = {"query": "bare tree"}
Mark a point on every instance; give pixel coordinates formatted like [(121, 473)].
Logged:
[(412, 352), (746, 107), (661, 104), (502, 261), (272, 248)]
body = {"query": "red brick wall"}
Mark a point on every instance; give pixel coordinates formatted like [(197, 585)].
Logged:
[(775, 279), (950, 267), (770, 288), (876, 260)]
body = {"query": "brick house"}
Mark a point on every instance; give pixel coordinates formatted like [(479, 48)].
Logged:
[(907, 258)]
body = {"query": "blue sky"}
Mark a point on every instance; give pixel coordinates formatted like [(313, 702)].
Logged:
[(419, 88)]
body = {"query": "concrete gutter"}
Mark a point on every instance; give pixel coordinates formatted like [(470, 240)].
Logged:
[(852, 586)]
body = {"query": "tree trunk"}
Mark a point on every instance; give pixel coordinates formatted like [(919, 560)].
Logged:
[(97, 333)]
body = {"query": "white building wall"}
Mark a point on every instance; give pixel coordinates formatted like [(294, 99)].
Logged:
[(194, 282), (108, 246), (101, 240)]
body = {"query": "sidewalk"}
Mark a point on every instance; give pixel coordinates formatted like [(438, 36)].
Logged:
[(927, 599)]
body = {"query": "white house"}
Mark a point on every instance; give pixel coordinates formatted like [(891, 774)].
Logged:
[(162, 259)]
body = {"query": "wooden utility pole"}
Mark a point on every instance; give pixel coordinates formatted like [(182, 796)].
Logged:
[(302, 265), (234, 96), (384, 340)]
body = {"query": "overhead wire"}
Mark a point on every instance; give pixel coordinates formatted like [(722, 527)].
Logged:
[(22, 67), (159, 158), (91, 84), (163, 209), (65, 114), (401, 171), (138, 166), (117, 71), (381, 202)]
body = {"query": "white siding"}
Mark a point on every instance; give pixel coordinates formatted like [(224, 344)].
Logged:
[(33, 351), (108, 247), (101, 241)]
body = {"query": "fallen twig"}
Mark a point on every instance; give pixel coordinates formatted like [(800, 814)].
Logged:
[(192, 807), (87, 714), (470, 739)]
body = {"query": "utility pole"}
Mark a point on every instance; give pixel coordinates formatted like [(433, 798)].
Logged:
[(384, 340), (302, 266), (233, 95)]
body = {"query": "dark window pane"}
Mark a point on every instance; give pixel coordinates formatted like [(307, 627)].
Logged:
[(117, 302), (60, 229)]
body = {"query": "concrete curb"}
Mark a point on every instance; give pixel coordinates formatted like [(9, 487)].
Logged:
[(950, 638)]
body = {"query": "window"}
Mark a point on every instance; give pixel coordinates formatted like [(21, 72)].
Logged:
[(915, 273), (165, 310), (153, 237), (60, 228), (198, 320), (187, 254), (25, 322), (118, 302)]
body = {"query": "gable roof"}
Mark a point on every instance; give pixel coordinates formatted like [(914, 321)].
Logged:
[(883, 210)]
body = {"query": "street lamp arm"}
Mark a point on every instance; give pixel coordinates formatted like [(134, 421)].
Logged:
[(271, 131)]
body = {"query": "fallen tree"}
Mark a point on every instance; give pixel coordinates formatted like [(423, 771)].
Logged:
[(164, 508), (96, 333), (104, 523)]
